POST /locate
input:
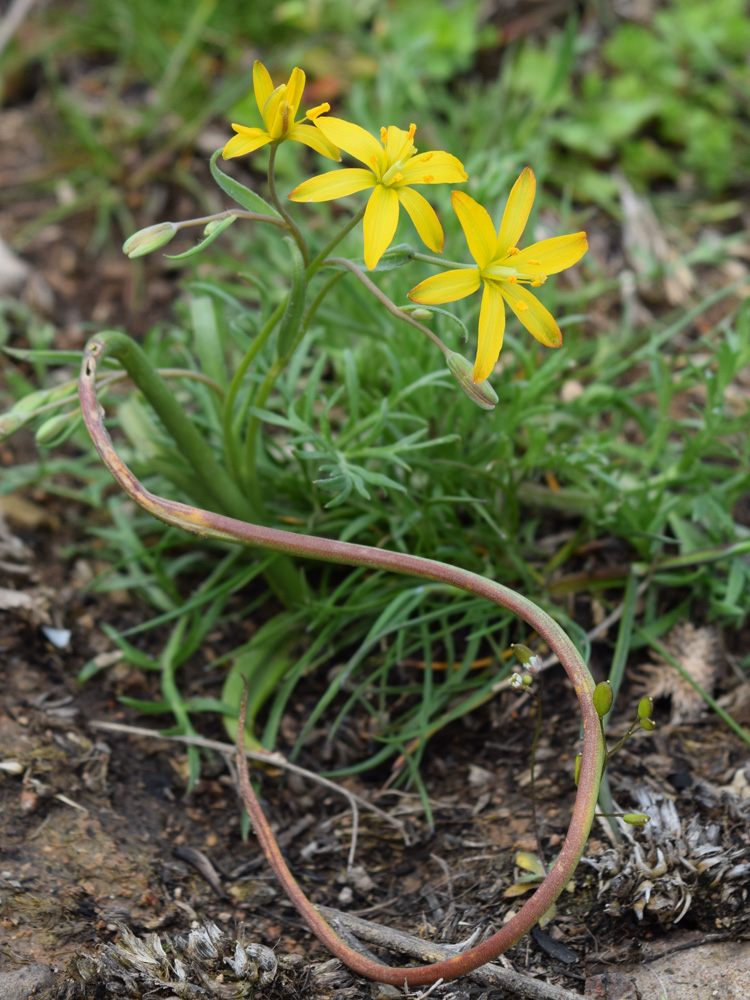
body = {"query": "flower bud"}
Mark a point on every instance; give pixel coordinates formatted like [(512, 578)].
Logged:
[(480, 393), (603, 698), (636, 819), (421, 314), (645, 707), (149, 239), (648, 724)]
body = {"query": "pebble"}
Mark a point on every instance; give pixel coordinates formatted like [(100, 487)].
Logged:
[(21, 984)]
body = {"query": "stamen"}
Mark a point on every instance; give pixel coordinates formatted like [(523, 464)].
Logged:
[(428, 178), (412, 130), (396, 178), (539, 281), (513, 251), (537, 262), (426, 156), (383, 135), (321, 109), (285, 118), (521, 306), (374, 160), (512, 279)]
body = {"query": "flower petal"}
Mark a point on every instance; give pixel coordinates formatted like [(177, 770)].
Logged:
[(354, 140), (313, 138), (273, 111), (538, 321), (333, 184), (399, 144), (516, 213), (477, 226), (294, 91), (446, 287), (491, 330), (551, 256), (434, 167), (424, 217), (381, 219), (262, 84), (248, 140)]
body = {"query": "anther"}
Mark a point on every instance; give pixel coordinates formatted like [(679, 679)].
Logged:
[(513, 251), (383, 135), (521, 306), (428, 178)]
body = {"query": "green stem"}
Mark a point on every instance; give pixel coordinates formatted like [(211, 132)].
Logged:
[(317, 262), (383, 299), (440, 261), (291, 225), (261, 397), (239, 213)]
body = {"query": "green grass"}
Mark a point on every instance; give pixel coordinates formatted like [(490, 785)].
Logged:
[(627, 440)]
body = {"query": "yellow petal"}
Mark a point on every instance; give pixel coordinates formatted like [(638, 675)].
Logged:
[(315, 139), (491, 330), (248, 140), (334, 184), (434, 167), (294, 90), (538, 321), (399, 144), (477, 226), (354, 140), (446, 287), (272, 111), (262, 84), (423, 215), (381, 219), (516, 213), (551, 256)]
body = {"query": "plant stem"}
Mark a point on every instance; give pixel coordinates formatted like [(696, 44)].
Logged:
[(291, 225), (227, 495), (207, 524), (383, 299)]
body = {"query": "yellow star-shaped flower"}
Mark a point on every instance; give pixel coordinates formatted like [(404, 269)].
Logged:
[(393, 165), (504, 270), (278, 108)]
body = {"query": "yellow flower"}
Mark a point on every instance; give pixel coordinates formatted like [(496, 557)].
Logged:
[(278, 109), (393, 166), (504, 270)]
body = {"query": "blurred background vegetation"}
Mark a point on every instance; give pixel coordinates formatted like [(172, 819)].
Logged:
[(613, 475)]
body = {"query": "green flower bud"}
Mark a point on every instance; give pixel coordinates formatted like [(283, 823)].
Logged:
[(603, 698), (149, 239), (421, 315), (645, 707), (579, 758), (648, 724), (50, 429), (480, 393), (636, 819)]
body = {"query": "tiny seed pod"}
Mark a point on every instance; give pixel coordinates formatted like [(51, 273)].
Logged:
[(636, 819), (579, 758), (603, 698), (645, 707), (648, 724), (522, 653)]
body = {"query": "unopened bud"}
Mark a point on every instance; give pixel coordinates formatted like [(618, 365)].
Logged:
[(648, 724), (636, 819), (645, 707), (422, 315), (149, 239), (480, 393), (603, 698)]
